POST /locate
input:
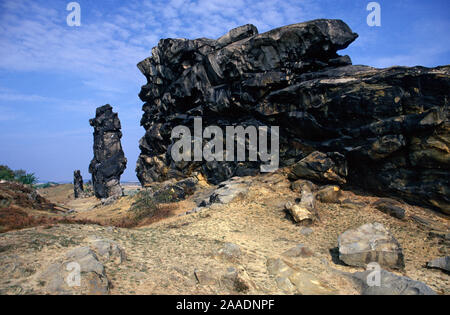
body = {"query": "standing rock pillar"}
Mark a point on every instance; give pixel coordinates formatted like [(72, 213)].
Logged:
[(77, 184), (109, 161)]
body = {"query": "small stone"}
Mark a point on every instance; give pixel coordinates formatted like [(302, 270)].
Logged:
[(204, 277), (109, 250), (440, 263), (237, 281), (329, 194), (299, 185), (306, 231), (390, 207), (285, 285), (277, 266), (307, 201), (109, 201), (230, 252), (299, 251), (300, 214)]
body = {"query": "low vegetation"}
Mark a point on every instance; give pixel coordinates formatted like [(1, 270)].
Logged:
[(148, 208), (19, 176), (16, 219), (46, 185)]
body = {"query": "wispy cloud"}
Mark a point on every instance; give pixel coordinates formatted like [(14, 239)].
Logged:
[(35, 37)]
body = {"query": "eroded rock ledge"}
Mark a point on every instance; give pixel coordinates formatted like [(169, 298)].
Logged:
[(391, 126)]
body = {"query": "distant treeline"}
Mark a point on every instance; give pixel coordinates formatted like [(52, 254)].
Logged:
[(19, 176)]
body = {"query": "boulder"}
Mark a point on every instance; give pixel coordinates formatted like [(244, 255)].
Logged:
[(61, 277), (293, 281), (390, 284), (370, 243), (227, 192)]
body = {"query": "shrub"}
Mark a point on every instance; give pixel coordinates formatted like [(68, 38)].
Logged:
[(6, 173), (145, 205), (27, 179), (20, 176), (46, 185), (149, 207), (169, 194)]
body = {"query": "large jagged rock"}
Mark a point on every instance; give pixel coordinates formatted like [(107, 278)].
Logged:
[(109, 161), (77, 184), (389, 127)]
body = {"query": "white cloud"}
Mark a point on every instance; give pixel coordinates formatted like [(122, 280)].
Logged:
[(34, 38)]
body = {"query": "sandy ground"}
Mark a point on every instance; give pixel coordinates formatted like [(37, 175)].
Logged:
[(162, 258)]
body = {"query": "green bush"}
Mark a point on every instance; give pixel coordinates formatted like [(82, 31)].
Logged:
[(46, 185), (145, 205), (6, 173), (27, 179), (20, 176)]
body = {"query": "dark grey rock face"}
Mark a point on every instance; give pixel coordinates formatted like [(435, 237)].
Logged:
[(77, 184), (109, 161), (389, 127), (321, 167)]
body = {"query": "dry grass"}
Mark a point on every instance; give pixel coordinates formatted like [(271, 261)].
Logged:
[(16, 219), (149, 216)]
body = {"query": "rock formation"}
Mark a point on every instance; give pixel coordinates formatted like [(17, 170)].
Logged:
[(77, 184), (389, 128), (109, 161)]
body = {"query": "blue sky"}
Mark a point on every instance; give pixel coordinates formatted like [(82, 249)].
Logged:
[(52, 76)]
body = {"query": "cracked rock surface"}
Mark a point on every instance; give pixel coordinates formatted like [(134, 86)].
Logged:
[(384, 130)]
